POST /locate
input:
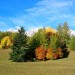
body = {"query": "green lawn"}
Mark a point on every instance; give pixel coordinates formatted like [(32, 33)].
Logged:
[(64, 66)]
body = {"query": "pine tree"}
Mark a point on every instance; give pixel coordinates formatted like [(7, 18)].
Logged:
[(59, 29), (66, 32), (19, 47)]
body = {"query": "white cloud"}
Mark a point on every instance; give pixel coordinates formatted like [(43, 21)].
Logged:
[(33, 30), (72, 32), (14, 30), (46, 12), (55, 3)]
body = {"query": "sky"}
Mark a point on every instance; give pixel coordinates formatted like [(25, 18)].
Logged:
[(34, 14)]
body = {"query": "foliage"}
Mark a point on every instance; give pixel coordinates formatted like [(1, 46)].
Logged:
[(54, 42), (64, 48), (3, 34), (72, 43), (46, 43), (33, 43), (59, 52), (19, 47), (49, 54), (6, 42), (36, 40), (54, 55), (40, 53), (42, 37), (64, 32)]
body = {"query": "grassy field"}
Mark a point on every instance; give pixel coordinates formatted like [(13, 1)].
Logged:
[(64, 66)]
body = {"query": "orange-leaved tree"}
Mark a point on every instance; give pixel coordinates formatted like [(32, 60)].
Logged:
[(40, 53)]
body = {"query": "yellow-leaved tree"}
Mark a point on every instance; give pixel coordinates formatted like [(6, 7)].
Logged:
[(6, 42)]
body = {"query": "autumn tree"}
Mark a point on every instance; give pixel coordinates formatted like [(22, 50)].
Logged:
[(40, 53), (5, 42)]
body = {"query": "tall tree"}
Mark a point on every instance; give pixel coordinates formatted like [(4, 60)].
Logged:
[(60, 30), (19, 47), (64, 32)]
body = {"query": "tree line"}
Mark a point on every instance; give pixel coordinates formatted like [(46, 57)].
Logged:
[(46, 44)]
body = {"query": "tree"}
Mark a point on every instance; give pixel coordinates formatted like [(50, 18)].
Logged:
[(54, 42), (33, 43), (43, 37), (40, 53), (19, 47), (72, 43), (64, 32), (6, 42), (59, 29)]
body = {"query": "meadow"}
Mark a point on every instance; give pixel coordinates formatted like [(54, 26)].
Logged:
[(64, 66)]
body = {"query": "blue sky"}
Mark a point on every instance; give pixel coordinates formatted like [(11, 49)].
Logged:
[(33, 14)]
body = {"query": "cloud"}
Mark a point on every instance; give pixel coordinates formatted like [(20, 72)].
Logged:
[(14, 30), (46, 13), (72, 32), (55, 3), (32, 30), (52, 6)]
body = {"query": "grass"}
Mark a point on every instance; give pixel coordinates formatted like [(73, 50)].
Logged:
[(64, 66)]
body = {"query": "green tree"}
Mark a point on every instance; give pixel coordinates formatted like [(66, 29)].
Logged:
[(64, 32), (43, 37), (54, 43), (60, 30), (19, 47), (72, 43), (33, 43)]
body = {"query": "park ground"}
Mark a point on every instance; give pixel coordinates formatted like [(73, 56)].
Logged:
[(64, 66)]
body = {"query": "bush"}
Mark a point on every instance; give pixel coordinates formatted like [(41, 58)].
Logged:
[(40, 53)]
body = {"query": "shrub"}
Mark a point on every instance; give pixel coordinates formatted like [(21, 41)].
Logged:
[(40, 53)]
